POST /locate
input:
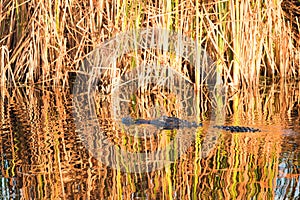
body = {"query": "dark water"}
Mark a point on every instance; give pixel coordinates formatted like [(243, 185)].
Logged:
[(44, 155)]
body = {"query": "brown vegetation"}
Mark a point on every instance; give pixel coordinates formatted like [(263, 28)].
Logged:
[(41, 41)]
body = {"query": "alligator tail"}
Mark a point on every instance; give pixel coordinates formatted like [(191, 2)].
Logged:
[(237, 128)]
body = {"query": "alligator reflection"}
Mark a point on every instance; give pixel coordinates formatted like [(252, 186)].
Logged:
[(42, 157)]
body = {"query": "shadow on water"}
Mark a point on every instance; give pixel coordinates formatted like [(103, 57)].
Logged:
[(42, 155)]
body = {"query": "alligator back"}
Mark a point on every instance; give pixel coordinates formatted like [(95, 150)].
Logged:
[(237, 128), (164, 122)]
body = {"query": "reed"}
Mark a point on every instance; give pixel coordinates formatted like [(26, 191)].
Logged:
[(43, 41)]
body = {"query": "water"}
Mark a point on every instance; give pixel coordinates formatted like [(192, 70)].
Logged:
[(44, 156)]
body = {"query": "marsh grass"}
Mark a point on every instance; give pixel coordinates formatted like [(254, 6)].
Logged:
[(41, 42)]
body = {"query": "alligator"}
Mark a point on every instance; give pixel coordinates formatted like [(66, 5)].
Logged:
[(170, 123), (164, 122)]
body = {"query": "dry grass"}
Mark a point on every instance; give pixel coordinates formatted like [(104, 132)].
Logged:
[(41, 41)]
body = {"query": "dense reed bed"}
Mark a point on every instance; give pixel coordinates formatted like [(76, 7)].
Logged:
[(42, 41)]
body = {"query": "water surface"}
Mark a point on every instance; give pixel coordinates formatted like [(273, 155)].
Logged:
[(43, 154)]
